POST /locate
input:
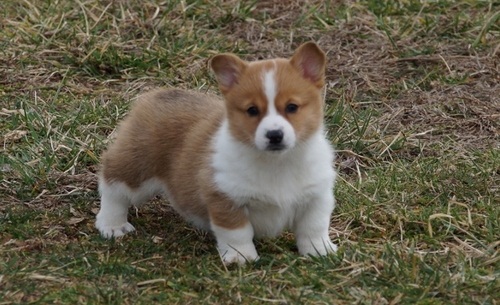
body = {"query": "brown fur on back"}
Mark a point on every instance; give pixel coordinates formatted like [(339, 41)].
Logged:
[(151, 143)]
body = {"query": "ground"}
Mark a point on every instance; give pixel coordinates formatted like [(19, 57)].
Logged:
[(413, 108)]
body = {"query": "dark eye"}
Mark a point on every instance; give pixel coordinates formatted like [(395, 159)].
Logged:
[(291, 108), (253, 111)]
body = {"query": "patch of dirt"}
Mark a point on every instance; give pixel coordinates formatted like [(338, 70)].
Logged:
[(443, 94)]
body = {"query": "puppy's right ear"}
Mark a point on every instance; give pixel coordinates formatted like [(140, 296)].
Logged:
[(310, 61), (228, 69)]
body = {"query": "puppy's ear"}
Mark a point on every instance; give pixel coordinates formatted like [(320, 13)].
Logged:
[(310, 61), (228, 69)]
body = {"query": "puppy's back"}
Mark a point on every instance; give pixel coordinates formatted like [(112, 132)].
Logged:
[(154, 133)]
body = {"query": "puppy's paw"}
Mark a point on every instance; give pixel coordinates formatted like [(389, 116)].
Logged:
[(239, 256), (109, 231), (317, 247)]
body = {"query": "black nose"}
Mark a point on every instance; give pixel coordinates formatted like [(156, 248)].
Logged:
[(274, 136)]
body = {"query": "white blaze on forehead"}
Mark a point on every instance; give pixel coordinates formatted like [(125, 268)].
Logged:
[(270, 89), (273, 120)]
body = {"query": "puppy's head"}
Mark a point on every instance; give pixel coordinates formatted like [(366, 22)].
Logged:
[(273, 104)]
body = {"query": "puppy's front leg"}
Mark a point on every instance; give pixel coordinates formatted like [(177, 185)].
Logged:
[(235, 245), (311, 228), (232, 229)]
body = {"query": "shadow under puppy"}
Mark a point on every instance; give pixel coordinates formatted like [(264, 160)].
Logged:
[(250, 165)]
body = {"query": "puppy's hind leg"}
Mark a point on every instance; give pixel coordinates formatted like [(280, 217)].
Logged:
[(111, 221)]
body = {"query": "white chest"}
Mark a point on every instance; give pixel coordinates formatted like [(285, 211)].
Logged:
[(273, 187)]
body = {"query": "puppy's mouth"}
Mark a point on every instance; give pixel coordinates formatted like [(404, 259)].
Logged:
[(276, 147)]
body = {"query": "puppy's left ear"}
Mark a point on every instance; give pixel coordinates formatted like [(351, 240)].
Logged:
[(311, 62)]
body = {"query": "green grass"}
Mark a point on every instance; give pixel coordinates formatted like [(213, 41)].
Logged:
[(412, 107)]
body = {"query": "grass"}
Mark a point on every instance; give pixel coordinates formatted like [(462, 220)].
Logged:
[(412, 107)]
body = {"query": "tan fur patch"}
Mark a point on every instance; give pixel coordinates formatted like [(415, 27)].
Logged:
[(247, 93), (166, 135), (293, 88), (221, 209)]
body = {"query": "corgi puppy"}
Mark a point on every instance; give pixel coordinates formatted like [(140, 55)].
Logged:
[(249, 165)]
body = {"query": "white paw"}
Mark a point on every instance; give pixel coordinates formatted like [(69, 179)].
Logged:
[(108, 231), (317, 247), (239, 256)]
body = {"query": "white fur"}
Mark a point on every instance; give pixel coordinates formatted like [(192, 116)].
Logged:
[(311, 228), (235, 246), (273, 120), (116, 198), (292, 189), (270, 89)]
